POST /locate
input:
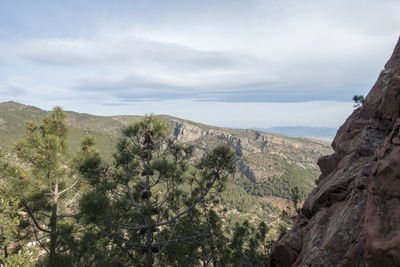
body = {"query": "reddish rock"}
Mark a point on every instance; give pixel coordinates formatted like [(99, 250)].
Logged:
[(352, 218)]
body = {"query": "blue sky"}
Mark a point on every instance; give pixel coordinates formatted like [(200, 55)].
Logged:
[(230, 63)]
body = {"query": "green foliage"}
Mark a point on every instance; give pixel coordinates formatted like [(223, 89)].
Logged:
[(289, 214), (157, 202), (138, 202), (95, 205), (44, 183), (295, 198), (359, 100), (278, 187), (12, 250), (274, 175), (9, 221), (22, 259), (282, 230), (248, 247), (235, 197), (44, 149), (270, 168)]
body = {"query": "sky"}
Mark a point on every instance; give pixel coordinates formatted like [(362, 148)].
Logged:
[(229, 63)]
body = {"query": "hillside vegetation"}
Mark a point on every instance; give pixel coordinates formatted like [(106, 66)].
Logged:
[(268, 164)]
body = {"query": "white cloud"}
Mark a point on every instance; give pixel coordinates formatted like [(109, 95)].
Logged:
[(124, 51), (165, 69), (209, 54)]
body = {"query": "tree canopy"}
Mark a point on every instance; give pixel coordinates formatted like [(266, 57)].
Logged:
[(154, 204)]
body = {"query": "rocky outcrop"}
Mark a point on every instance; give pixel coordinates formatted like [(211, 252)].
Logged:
[(185, 132), (261, 156), (234, 142), (352, 218)]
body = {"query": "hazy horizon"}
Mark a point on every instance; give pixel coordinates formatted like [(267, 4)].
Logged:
[(325, 134)]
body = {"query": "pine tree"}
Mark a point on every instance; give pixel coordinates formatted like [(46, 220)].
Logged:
[(13, 250), (295, 198), (248, 246), (200, 236), (140, 201), (42, 182), (214, 241), (358, 100), (10, 214)]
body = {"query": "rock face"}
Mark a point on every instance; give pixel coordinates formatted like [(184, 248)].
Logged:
[(352, 218), (185, 132), (258, 152)]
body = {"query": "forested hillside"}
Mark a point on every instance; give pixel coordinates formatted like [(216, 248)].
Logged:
[(268, 164), (250, 172)]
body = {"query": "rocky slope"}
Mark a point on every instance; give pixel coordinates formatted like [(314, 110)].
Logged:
[(263, 157), (353, 217), (269, 164)]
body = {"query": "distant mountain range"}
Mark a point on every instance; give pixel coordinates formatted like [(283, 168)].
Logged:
[(269, 165), (319, 133)]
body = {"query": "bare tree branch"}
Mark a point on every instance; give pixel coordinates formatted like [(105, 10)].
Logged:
[(65, 190), (72, 200)]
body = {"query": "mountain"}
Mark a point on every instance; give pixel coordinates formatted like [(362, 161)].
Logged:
[(319, 133), (268, 164), (352, 218)]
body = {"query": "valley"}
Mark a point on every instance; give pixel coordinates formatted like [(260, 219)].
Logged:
[(269, 165)]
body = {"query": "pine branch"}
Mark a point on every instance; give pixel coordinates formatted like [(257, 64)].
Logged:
[(33, 218), (169, 239), (72, 200), (38, 240), (44, 214), (132, 198), (66, 189), (191, 206)]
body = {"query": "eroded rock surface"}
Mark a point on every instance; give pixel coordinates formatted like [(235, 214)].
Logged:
[(352, 218)]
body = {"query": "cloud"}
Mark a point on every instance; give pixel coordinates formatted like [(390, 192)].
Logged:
[(16, 86), (288, 68), (126, 83), (135, 88), (12, 91), (274, 52), (123, 51), (22, 88), (229, 53)]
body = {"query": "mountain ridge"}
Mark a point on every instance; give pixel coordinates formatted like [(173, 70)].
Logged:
[(264, 159)]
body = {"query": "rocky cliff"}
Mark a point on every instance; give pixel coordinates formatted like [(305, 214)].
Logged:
[(352, 218), (267, 163)]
